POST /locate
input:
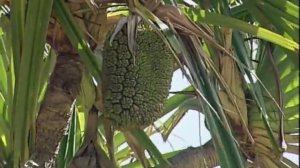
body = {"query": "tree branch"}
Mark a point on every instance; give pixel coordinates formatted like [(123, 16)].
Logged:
[(54, 114), (200, 157)]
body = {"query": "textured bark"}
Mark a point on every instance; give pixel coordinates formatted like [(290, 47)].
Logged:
[(200, 157), (54, 114)]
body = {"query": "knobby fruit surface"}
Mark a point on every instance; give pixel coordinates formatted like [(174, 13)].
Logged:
[(136, 87)]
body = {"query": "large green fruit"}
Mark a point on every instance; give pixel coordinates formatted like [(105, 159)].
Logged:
[(135, 88)]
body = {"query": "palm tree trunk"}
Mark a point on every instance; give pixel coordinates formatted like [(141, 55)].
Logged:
[(54, 114)]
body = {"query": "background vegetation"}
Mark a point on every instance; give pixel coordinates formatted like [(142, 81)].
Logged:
[(240, 56)]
